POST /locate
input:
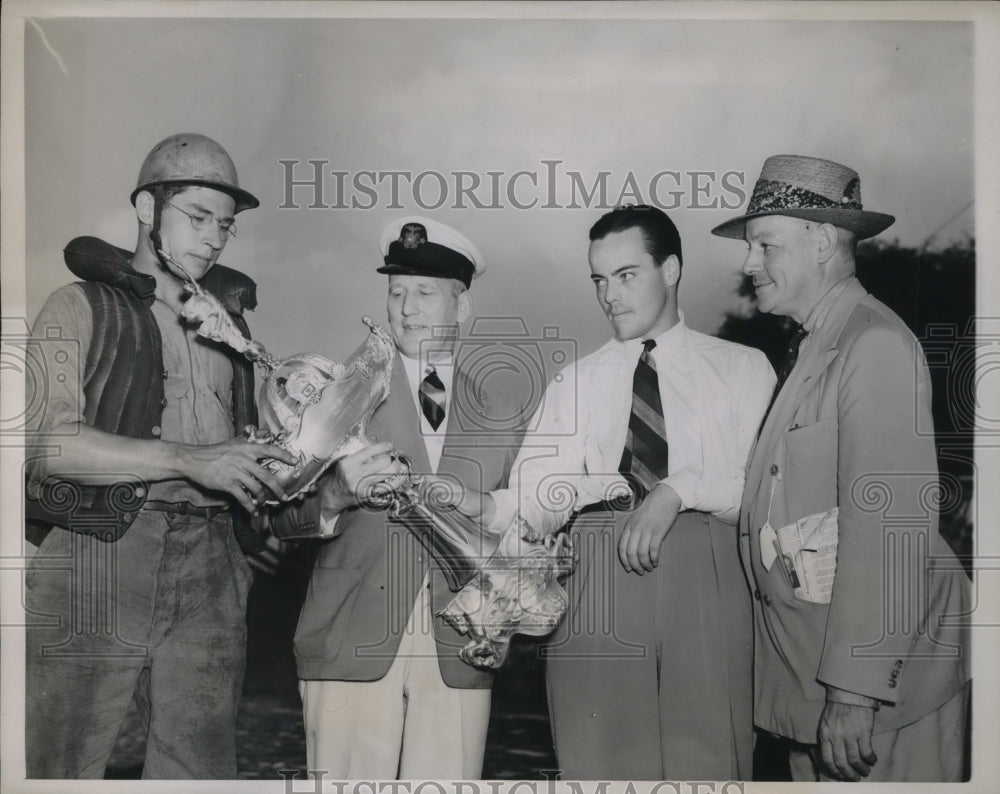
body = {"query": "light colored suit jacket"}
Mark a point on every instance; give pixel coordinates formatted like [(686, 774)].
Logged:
[(366, 578), (850, 429)]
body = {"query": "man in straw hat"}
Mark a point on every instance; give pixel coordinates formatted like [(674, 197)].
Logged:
[(384, 693), (139, 587), (860, 655)]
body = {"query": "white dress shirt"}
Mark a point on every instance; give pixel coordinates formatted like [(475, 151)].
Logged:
[(714, 394)]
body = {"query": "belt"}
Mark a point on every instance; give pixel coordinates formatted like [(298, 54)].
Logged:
[(186, 508)]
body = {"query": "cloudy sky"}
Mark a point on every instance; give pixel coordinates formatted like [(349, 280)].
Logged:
[(554, 98)]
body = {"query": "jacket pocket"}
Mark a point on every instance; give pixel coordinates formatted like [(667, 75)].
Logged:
[(810, 471), (327, 612)]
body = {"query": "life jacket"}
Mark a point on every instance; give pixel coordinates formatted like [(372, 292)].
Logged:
[(123, 380)]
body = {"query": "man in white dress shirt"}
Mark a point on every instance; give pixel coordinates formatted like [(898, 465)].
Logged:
[(649, 675), (384, 692)]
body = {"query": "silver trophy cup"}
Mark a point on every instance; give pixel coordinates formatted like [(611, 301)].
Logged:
[(319, 410), (505, 584)]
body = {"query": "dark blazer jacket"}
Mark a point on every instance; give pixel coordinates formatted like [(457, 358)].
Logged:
[(852, 428), (366, 578)]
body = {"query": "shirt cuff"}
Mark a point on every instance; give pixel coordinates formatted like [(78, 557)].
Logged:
[(836, 695), (686, 483), (505, 508)]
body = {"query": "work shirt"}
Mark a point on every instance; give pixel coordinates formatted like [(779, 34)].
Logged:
[(198, 384)]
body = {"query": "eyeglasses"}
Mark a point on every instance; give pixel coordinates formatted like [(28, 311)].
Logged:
[(203, 220)]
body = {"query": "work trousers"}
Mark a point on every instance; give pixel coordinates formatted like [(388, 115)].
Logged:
[(158, 616)]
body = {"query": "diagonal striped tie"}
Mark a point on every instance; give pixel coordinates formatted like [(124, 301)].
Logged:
[(644, 459), (431, 394)]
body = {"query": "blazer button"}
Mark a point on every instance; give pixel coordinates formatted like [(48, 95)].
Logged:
[(156, 431), (767, 599), (774, 469), (756, 593)]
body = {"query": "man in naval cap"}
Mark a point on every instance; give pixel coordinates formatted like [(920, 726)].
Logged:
[(384, 692)]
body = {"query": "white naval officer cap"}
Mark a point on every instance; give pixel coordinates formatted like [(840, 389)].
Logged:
[(419, 246)]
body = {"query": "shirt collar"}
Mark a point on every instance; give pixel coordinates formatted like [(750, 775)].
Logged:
[(416, 371), (822, 309), (671, 339)]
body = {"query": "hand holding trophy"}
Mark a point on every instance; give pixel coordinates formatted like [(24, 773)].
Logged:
[(309, 405)]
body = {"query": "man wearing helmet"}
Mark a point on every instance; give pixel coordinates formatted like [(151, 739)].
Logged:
[(138, 589)]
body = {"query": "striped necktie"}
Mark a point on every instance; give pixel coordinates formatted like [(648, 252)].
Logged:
[(431, 395), (644, 459)]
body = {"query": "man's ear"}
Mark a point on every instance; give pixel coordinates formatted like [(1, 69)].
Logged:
[(671, 270), (826, 241), (464, 306), (144, 208)]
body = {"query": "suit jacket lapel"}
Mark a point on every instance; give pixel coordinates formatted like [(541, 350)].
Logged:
[(397, 420), (821, 352), (454, 460)]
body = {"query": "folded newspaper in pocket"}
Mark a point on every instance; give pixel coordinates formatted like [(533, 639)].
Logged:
[(809, 553)]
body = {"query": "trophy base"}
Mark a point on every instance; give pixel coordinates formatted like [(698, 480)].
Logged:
[(516, 591)]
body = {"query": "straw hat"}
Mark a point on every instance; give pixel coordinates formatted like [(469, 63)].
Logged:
[(812, 189)]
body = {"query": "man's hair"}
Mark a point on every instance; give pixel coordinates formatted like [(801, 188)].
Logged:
[(169, 191), (658, 231), (849, 240)]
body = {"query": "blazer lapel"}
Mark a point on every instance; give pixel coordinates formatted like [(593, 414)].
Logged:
[(806, 374), (397, 420), (455, 457)]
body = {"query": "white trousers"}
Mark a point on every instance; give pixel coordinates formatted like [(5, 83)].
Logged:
[(408, 725)]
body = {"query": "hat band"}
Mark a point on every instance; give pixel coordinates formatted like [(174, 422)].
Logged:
[(769, 195), (429, 259)]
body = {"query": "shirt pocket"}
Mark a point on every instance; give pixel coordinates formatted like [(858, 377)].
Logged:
[(175, 387)]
